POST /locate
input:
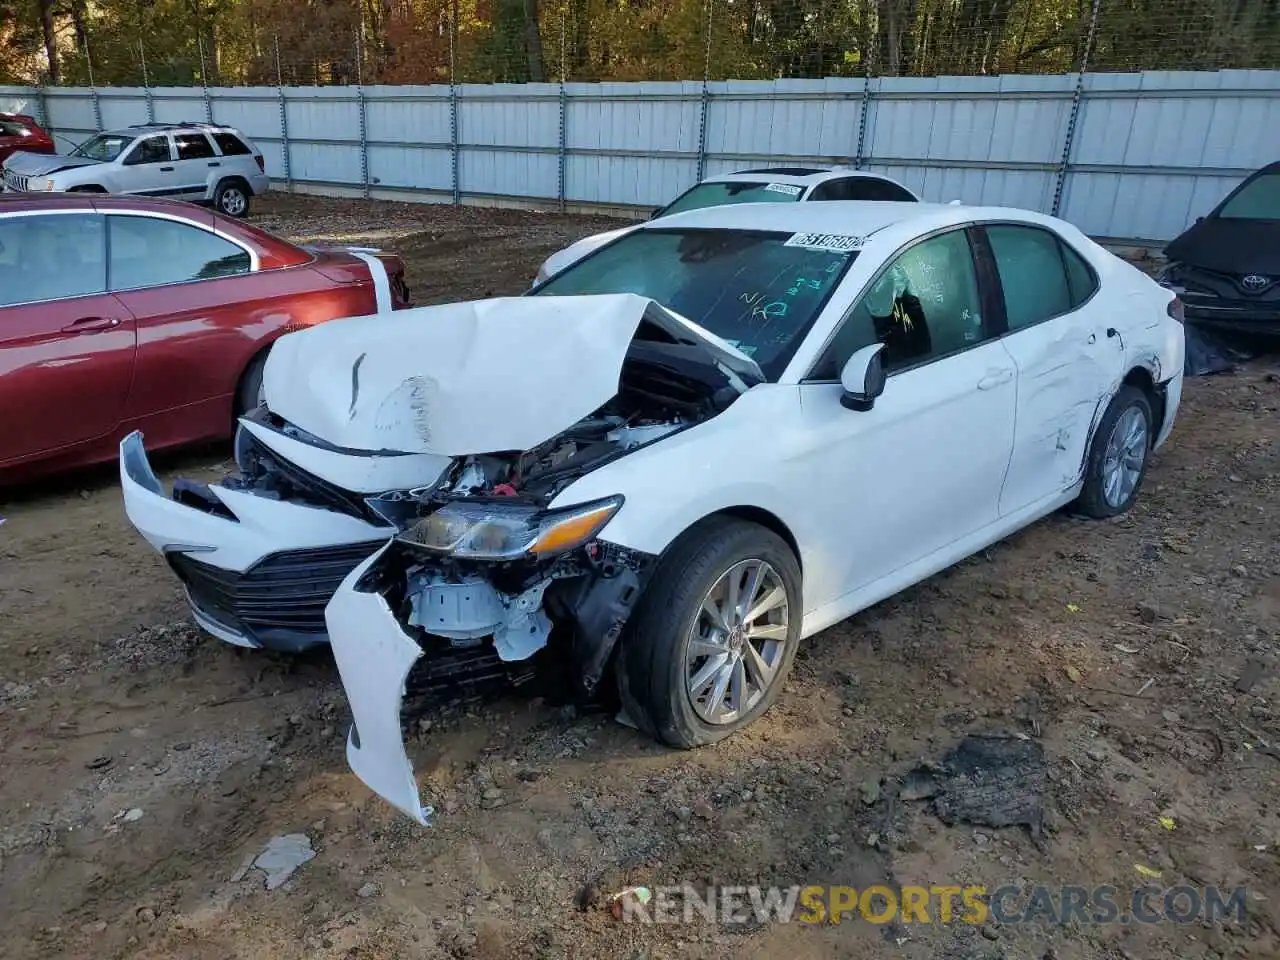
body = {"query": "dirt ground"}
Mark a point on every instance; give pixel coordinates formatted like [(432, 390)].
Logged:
[(141, 763)]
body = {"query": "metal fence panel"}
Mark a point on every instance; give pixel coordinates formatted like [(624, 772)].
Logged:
[(1146, 154)]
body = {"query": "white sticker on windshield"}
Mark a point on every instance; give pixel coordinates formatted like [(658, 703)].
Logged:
[(839, 242), (787, 188)]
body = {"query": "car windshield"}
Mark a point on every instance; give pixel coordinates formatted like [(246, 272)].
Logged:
[(1259, 200), (761, 291), (737, 191), (105, 147)]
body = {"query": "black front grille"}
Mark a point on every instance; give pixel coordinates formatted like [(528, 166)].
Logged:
[(280, 600)]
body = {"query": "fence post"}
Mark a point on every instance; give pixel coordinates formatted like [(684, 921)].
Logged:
[(93, 88), (364, 131), (564, 105), (453, 111), (1074, 115), (284, 120), (706, 99), (204, 82), (146, 82), (864, 111)]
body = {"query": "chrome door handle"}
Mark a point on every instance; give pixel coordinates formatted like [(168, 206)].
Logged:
[(995, 377), (91, 324)]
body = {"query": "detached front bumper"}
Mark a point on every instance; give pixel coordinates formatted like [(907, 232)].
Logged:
[(374, 657), (259, 572)]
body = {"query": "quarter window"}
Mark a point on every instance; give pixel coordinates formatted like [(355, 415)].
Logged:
[(923, 306), (149, 150), (150, 252), (1080, 276), (51, 257), (231, 145), (193, 146)]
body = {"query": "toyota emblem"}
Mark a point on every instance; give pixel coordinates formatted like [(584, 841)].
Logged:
[(1254, 282)]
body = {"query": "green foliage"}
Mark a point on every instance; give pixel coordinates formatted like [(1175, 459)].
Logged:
[(178, 42)]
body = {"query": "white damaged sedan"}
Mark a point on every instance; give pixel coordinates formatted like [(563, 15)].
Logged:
[(713, 437)]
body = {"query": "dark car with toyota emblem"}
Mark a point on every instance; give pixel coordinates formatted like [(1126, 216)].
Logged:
[(1226, 267)]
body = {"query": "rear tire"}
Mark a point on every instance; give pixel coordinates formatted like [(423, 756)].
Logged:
[(688, 682), (231, 198), (1118, 456)]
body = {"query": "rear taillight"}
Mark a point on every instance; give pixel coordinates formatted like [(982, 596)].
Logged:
[(1176, 309), (262, 162)]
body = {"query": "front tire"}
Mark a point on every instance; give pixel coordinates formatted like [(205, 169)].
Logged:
[(711, 642), (232, 199), (1118, 456)]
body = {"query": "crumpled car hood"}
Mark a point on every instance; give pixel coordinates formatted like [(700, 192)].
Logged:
[(467, 378), (39, 164)]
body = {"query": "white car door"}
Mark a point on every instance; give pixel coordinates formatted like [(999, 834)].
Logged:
[(924, 467), (148, 169), (195, 158), (1068, 354)]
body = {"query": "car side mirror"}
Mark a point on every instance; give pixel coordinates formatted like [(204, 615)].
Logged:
[(863, 378)]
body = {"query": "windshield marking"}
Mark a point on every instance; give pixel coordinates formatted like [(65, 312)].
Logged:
[(789, 189), (837, 242)]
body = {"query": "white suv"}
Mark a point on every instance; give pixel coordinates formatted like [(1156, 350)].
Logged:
[(202, 162)]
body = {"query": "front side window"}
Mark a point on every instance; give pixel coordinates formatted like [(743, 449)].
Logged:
[(1259, 199), (149, 150), (738, 191), (150, 252), (759, 290), (11, 128), (923, 306), (51, 257), (193, 146), (105, 147)]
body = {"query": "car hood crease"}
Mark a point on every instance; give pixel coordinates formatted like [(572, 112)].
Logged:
[(467, 378)]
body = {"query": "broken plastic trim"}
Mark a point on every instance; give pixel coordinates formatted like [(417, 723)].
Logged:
[(500, 531)]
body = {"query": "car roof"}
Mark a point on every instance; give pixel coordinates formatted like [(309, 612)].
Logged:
[(856, 217), (796, 176), (23, 202), (141, 129)]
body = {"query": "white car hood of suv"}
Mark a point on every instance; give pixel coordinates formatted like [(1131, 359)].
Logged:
[(469, 378), (38, 164)]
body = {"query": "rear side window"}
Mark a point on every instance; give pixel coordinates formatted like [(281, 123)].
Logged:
[(231, 145), (1033, 274), (860, 188), (151, 252), (51, 257), (193, 146)]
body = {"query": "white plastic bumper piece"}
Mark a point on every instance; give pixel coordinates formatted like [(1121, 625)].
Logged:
[(262, 526), (374, 657)]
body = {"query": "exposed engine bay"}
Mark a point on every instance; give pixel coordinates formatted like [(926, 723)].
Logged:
[(452, 589)]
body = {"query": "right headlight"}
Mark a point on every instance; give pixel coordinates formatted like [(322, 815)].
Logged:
[(491, 531)]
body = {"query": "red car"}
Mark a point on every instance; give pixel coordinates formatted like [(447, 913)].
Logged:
[(120, 313), (21, 132)]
